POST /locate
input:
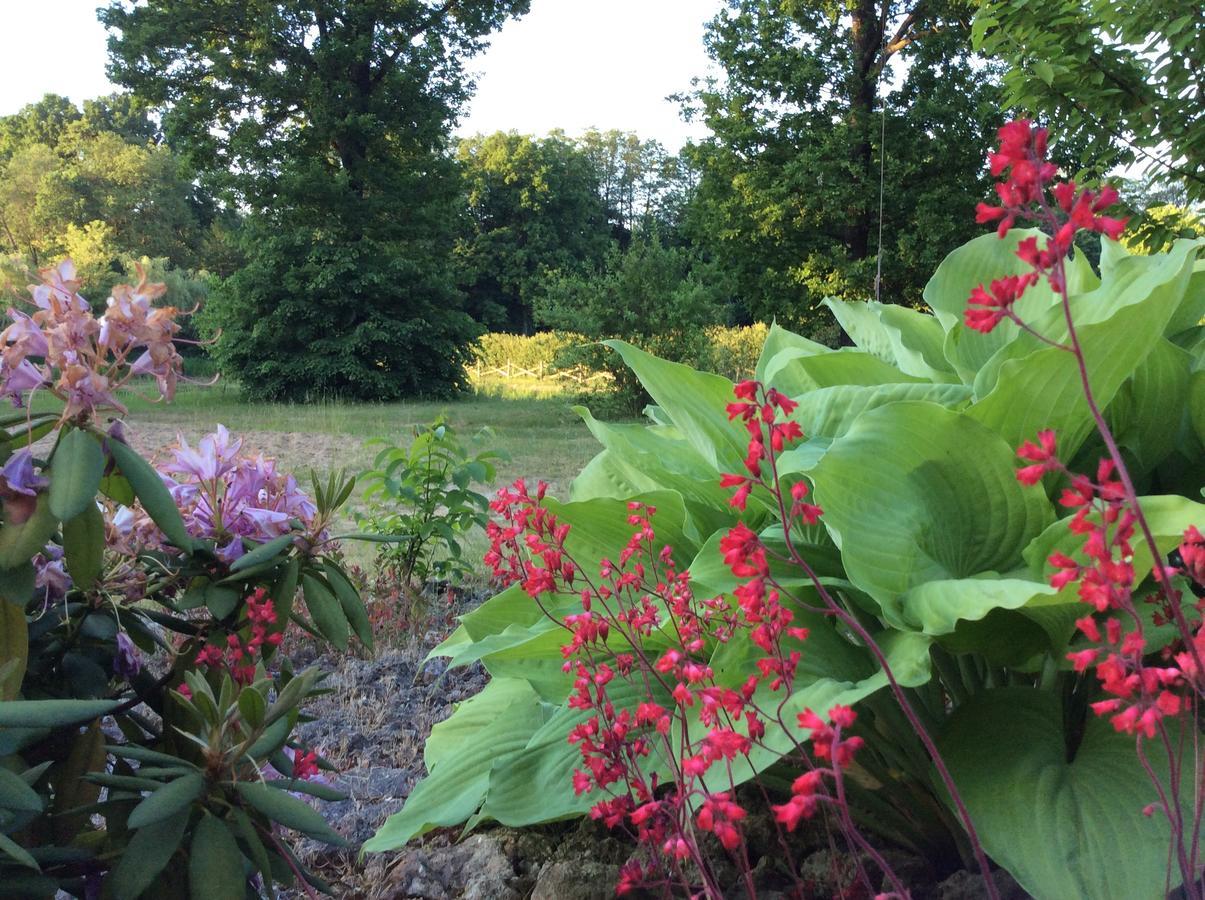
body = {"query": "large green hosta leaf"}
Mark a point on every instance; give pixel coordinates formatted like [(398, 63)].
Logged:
[(794, 372), (1168, 516), (1062, 827), (491, 728), (694, 401), (914, 492), (829, 412), (905, 338), (651, 457), (1122, 322), (978, 262)]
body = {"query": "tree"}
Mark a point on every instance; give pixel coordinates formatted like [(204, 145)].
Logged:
[(534, 206), (658, 297), (788, 199), (1123, 78), (97, 186), (328, 121)]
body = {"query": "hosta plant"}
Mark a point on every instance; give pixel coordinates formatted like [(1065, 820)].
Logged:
[(1015, 649), (147, 741)]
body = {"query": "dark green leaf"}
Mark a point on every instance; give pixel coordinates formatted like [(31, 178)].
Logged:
[(325, 609), (215, 865), (75, 473), (167, 800), (51, 713), (15, 794), (145, 856), (289, 812), (152, 493), (84, 545)]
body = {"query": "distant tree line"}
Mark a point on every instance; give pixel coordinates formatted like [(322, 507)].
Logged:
[(292, 164)]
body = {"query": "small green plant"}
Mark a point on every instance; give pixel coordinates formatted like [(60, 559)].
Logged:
[(421, 504)]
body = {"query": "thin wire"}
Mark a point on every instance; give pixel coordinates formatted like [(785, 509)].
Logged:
[(878, 275)]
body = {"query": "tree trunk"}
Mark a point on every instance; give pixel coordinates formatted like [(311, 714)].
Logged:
[(866, 38)]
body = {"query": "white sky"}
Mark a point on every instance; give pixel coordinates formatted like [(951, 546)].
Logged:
[(568, 64)]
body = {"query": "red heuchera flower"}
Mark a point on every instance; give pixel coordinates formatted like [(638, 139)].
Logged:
[(1022, 155), (238, 656)]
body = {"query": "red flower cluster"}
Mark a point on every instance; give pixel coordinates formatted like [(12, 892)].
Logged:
[(807, 791), (239, 657), (618, 628), (1140, 694), (759, 410), (1023, 196)]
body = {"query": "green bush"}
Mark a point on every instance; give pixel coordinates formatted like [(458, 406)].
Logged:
[(536, 352), (420, 501)]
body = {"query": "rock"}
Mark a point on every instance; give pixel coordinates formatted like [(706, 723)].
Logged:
[(966, 885), (580, 880), (475, 869)]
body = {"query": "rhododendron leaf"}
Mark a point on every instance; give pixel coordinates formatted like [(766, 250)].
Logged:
[(1196, 405), (51, 713), (262, 553), (914, 492), (75, 472), (19, 543), (151, 493), (289, 812), (1064, 825), (17, 584), (84, 545), (117, 488), (695, 402), (221, 601), (349, 602), (490, 728), (215, 865), (14, 648), (146, 855), (167, 800), (325, 610), (18, 853), (905, 338)]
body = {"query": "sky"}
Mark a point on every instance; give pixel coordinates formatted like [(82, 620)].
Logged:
[(569, 64)]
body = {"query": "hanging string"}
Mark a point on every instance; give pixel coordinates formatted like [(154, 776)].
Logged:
[(878, 274)]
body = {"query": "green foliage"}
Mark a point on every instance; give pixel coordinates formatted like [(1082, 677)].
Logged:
[(911, 435), (534, 205), (329, 125), (98, 187), (661, 298), (1114, 76), (421, 500), (186, 811), (534, 352), (322, 316), (804, 120)]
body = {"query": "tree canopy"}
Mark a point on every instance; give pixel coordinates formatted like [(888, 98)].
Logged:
[(816, 97), (328, 121)]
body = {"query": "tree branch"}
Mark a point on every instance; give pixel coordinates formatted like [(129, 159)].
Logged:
[(402, 38)]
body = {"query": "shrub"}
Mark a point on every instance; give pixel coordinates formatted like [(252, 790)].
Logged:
[(140, 611), (420, 500), (651, 295), (855, 552), (536, 352)]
